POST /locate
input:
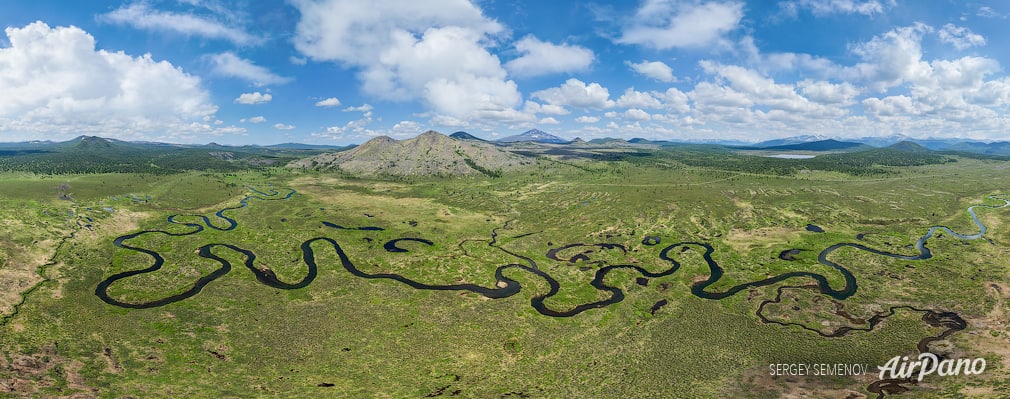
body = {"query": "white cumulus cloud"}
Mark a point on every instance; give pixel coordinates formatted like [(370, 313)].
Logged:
[(360, 108), (960, 37), (637, 114), (891, 59), (543, 58), (54, 81), (587, 119), (432, 50), (666, 24), (255, 119), (329, 102), (253, 98), (229, 64), (638, 99), (654, 69), (281, 126), (576, 93)]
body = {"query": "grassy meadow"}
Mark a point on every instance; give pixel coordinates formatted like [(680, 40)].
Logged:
[(344, 336)]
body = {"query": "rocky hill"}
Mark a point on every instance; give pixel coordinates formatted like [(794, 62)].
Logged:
[(429, 154)]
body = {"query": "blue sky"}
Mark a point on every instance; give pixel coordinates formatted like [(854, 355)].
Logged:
[(343, 71)]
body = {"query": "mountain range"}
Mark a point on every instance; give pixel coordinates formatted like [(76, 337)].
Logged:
[(429, 154)]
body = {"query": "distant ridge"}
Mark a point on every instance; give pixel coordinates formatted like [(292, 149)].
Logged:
[(461, 135), (536, 136), (92, 143), (639, 140), (91, 154), (996, 148), (607, 140), (429, 154), (821, 145), (790, 140), (300, 146)]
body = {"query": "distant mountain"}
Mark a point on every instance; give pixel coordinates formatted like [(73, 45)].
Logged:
[(429, 154), (607, 140), (995, 148), (534, 135), (300, 146), (92, 143), (880, 141), (639, 140), (821, 145), (908, 146), (790, 140), (930, 143), (90, 154), (667, 143), (465, 136)]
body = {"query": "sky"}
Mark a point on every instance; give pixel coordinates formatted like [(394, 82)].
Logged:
[(344, 71)]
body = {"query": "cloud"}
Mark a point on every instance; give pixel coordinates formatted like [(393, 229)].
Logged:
[(654, 69), (827, 7), (889, 106), (139, 15), (575, 93), (549, 121), (960, 37), (533, 107), (675, 100), (890, 59), (988, 12), (405, 129), (543, 58), (829, 93), (637, 114), (756, 89), (431, 50), (228, 64), (361, 108), (443, 120), (353, 129), (587, 119), (55, 83), (333, 102), (917, 97), (255, 119), (253, 98), (667, 24), (281, 126), (637, 99)]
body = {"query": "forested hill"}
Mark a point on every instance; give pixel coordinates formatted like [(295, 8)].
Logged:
[(89, 154), (871, 162)]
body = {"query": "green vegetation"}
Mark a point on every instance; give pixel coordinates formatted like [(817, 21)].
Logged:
[(344, 336), (875, 162), (97, 155)]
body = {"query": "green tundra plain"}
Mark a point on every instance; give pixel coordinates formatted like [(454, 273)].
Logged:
[(342, 335)]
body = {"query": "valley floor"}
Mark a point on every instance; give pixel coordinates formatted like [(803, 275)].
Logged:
[(237, 326)]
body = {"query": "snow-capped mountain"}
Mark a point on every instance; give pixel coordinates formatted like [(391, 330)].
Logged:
[(534, 135)]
